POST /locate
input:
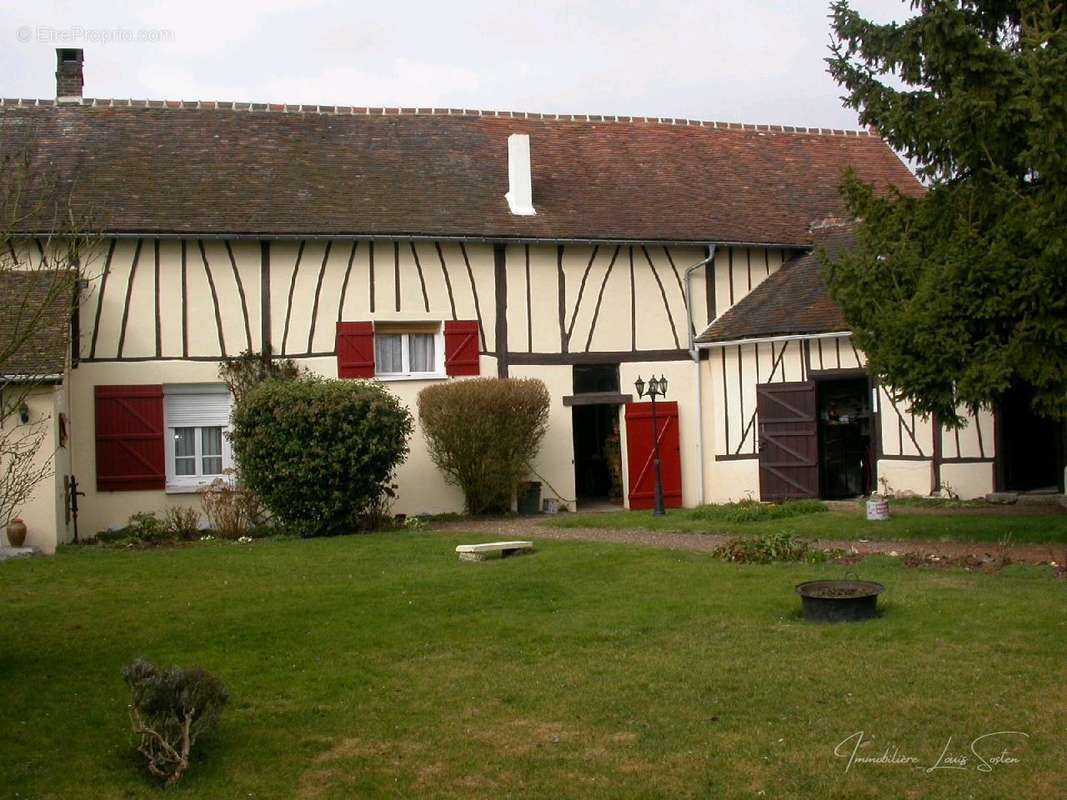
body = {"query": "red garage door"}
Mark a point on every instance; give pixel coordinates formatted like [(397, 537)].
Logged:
[(640, 457)]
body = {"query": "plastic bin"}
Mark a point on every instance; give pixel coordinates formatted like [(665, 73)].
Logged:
[(530, 498)]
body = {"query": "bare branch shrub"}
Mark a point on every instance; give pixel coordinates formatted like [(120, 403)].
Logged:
[(379, 513), (169, 710), (483, 433), (21, 470), (240, 373), (183, 522), (231, 508)]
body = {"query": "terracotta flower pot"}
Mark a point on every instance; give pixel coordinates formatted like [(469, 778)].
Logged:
[(16, 532)]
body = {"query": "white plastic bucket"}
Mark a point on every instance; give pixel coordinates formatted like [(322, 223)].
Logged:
[(877, 510)]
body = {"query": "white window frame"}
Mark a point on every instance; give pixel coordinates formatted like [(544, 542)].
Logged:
[(192, 483), (405, 373)]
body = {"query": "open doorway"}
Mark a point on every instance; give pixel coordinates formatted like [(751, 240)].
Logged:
[(597, 455), (845, 451), (1030, 448)]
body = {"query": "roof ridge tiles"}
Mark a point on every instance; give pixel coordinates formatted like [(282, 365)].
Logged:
[(333, 110)]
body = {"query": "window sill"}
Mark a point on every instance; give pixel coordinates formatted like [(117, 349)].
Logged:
[(188, 488), (417, 376)]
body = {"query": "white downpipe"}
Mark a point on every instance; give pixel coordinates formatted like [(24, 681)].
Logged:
[(695, 355)]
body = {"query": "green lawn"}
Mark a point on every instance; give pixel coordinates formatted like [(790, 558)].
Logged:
[(378, 665), (961, 526)]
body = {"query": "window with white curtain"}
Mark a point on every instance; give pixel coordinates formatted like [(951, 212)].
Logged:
[(197, 449), (408, 351)]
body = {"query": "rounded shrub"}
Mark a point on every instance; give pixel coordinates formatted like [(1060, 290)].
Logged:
[(483, 434), (319, 453)]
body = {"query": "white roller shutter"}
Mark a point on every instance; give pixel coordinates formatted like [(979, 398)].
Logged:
[(187, 407)]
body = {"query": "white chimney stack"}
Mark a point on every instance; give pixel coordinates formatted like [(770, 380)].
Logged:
[(520, 182)]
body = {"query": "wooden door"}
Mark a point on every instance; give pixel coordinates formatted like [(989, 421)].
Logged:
[(641, 467), (788, 440)]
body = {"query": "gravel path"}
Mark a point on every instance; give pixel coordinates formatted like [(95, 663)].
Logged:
[(531, 528)]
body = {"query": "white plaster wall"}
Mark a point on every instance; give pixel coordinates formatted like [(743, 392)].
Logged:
[(459, 282), (968, 480), (598, 296), (597, 284), (836, 352), (732, 374), (724, 480), (682, 377), (283, 258), (300, 296), (729, 481), (130, 293), (901, 476), (110, 314), (904, 433), (43, 511), (555, 461), (101, 510), (974, 440), (422, 487), (739, 270), (544, 296)]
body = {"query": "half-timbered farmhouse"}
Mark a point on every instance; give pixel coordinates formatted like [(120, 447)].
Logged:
[(417, 245)]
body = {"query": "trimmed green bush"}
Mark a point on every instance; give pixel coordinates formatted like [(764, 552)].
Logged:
[(483, 434), (319, 453)]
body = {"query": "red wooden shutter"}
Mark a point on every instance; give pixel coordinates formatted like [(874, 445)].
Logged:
[(461, 347), (640, 456), (355, 349), (129, 438)]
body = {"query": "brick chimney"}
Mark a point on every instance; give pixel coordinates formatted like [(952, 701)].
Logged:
[(69, 74)]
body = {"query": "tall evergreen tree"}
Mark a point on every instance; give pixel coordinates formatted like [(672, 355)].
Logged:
[(959, 293)]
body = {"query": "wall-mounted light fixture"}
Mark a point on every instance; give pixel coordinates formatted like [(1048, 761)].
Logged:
[(656, 387), (24, 413)]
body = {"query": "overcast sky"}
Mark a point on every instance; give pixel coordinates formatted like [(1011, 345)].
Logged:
[(730, 60)]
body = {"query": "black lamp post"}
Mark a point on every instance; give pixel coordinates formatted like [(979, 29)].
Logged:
[(657, 387)]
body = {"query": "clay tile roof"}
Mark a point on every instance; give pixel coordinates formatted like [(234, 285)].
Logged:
[(213, 169), (794, 300), (35, 321)]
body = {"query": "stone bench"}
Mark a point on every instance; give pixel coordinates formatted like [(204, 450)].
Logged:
[(481, 552)]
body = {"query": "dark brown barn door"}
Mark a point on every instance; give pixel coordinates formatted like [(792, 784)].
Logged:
[(788, 440)]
